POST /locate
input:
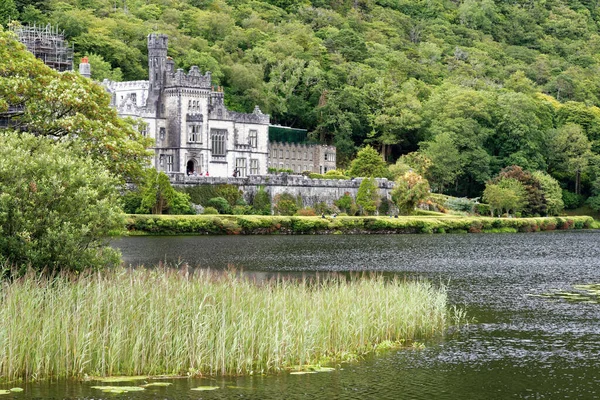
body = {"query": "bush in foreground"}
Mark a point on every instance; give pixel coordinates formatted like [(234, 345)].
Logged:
[(134, 322), (56, 207)]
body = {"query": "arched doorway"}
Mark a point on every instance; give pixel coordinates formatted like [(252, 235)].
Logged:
[(191, 167)]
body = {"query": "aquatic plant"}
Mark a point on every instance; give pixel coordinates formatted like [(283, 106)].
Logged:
[(588, 293), (166, 321)]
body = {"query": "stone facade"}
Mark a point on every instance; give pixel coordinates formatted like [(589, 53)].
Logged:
[(194, 132), (302, 157)]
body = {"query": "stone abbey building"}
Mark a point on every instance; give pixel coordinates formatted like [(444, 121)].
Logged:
[(194, 133)]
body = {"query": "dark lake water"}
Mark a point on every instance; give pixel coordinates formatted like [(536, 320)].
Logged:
[(520, 346)]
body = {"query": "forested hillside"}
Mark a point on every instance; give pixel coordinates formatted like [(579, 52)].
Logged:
[(473, 85)]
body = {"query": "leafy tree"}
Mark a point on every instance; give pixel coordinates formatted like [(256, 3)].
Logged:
[(8, 11), (261, 203), (506, 195), (410, 190), (569, 153), (158, 196), (67, 107), (367, 197), (368, 163), (445, 161), (552, 192), (536, 203), (56, 206)]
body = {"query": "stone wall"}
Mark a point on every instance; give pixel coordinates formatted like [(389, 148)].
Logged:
[(312, 191)]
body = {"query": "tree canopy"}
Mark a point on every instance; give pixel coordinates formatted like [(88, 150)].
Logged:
[(473, 86), (67, 107)]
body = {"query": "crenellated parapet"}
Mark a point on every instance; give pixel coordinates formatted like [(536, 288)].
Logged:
[(193, 79), (218, 111)]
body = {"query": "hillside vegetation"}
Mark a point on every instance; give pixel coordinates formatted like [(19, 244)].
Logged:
[(473, 85)]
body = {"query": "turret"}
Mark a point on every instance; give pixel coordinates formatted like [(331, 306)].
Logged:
[(157, 60)]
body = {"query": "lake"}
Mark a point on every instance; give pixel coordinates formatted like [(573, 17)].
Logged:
[(520, 346)]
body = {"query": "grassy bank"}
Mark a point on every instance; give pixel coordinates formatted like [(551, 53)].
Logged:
[(139, 322), (255, 224)]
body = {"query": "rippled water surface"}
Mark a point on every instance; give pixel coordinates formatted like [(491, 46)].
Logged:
[(520, 346)]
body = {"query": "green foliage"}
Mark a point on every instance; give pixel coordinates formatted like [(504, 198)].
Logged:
[(346, 204), (68, 107), (368, 164), (131, 201), (551, 191), (56, 207), (261, 203), (158, 196), (507, 195), (472, 86), (429, 223), (285, 204), (367, 197), (535, 204), (460, 204), (410, 190), (221, 204), (8, 12), (328, 176), (210, 211), (572, 200)]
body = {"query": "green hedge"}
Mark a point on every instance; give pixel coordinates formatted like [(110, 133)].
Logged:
[(258, 224)]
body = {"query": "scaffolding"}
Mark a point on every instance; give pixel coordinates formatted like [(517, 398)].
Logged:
[(47, 44)]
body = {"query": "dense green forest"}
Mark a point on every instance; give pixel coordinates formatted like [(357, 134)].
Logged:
[(472, 85)]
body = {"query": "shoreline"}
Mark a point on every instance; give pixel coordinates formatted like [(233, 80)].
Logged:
[(164, 225)]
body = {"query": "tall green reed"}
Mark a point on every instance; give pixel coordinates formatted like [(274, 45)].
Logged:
[(165, 321)]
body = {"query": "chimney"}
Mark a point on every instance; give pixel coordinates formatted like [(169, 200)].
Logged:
[(84, 68)]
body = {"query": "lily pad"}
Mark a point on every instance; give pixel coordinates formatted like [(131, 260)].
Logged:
[(587, 294), (4, 392), (302, 372), (16, 389), (119, 389), (204, 388), (115, 379), (157, 384)]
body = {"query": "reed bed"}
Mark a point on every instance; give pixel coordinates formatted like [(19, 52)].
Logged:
[(164, 321)]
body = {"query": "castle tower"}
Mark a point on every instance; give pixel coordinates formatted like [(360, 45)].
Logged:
[(157, 60)]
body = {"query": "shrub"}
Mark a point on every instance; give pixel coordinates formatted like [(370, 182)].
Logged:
[(241, 210), (327, 176), (56, 207), (220, 204), (572, 200), (261, 204), (210, 211), (482, 209), (460, 204), (131, 201), (285, 204), (306, 212)]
